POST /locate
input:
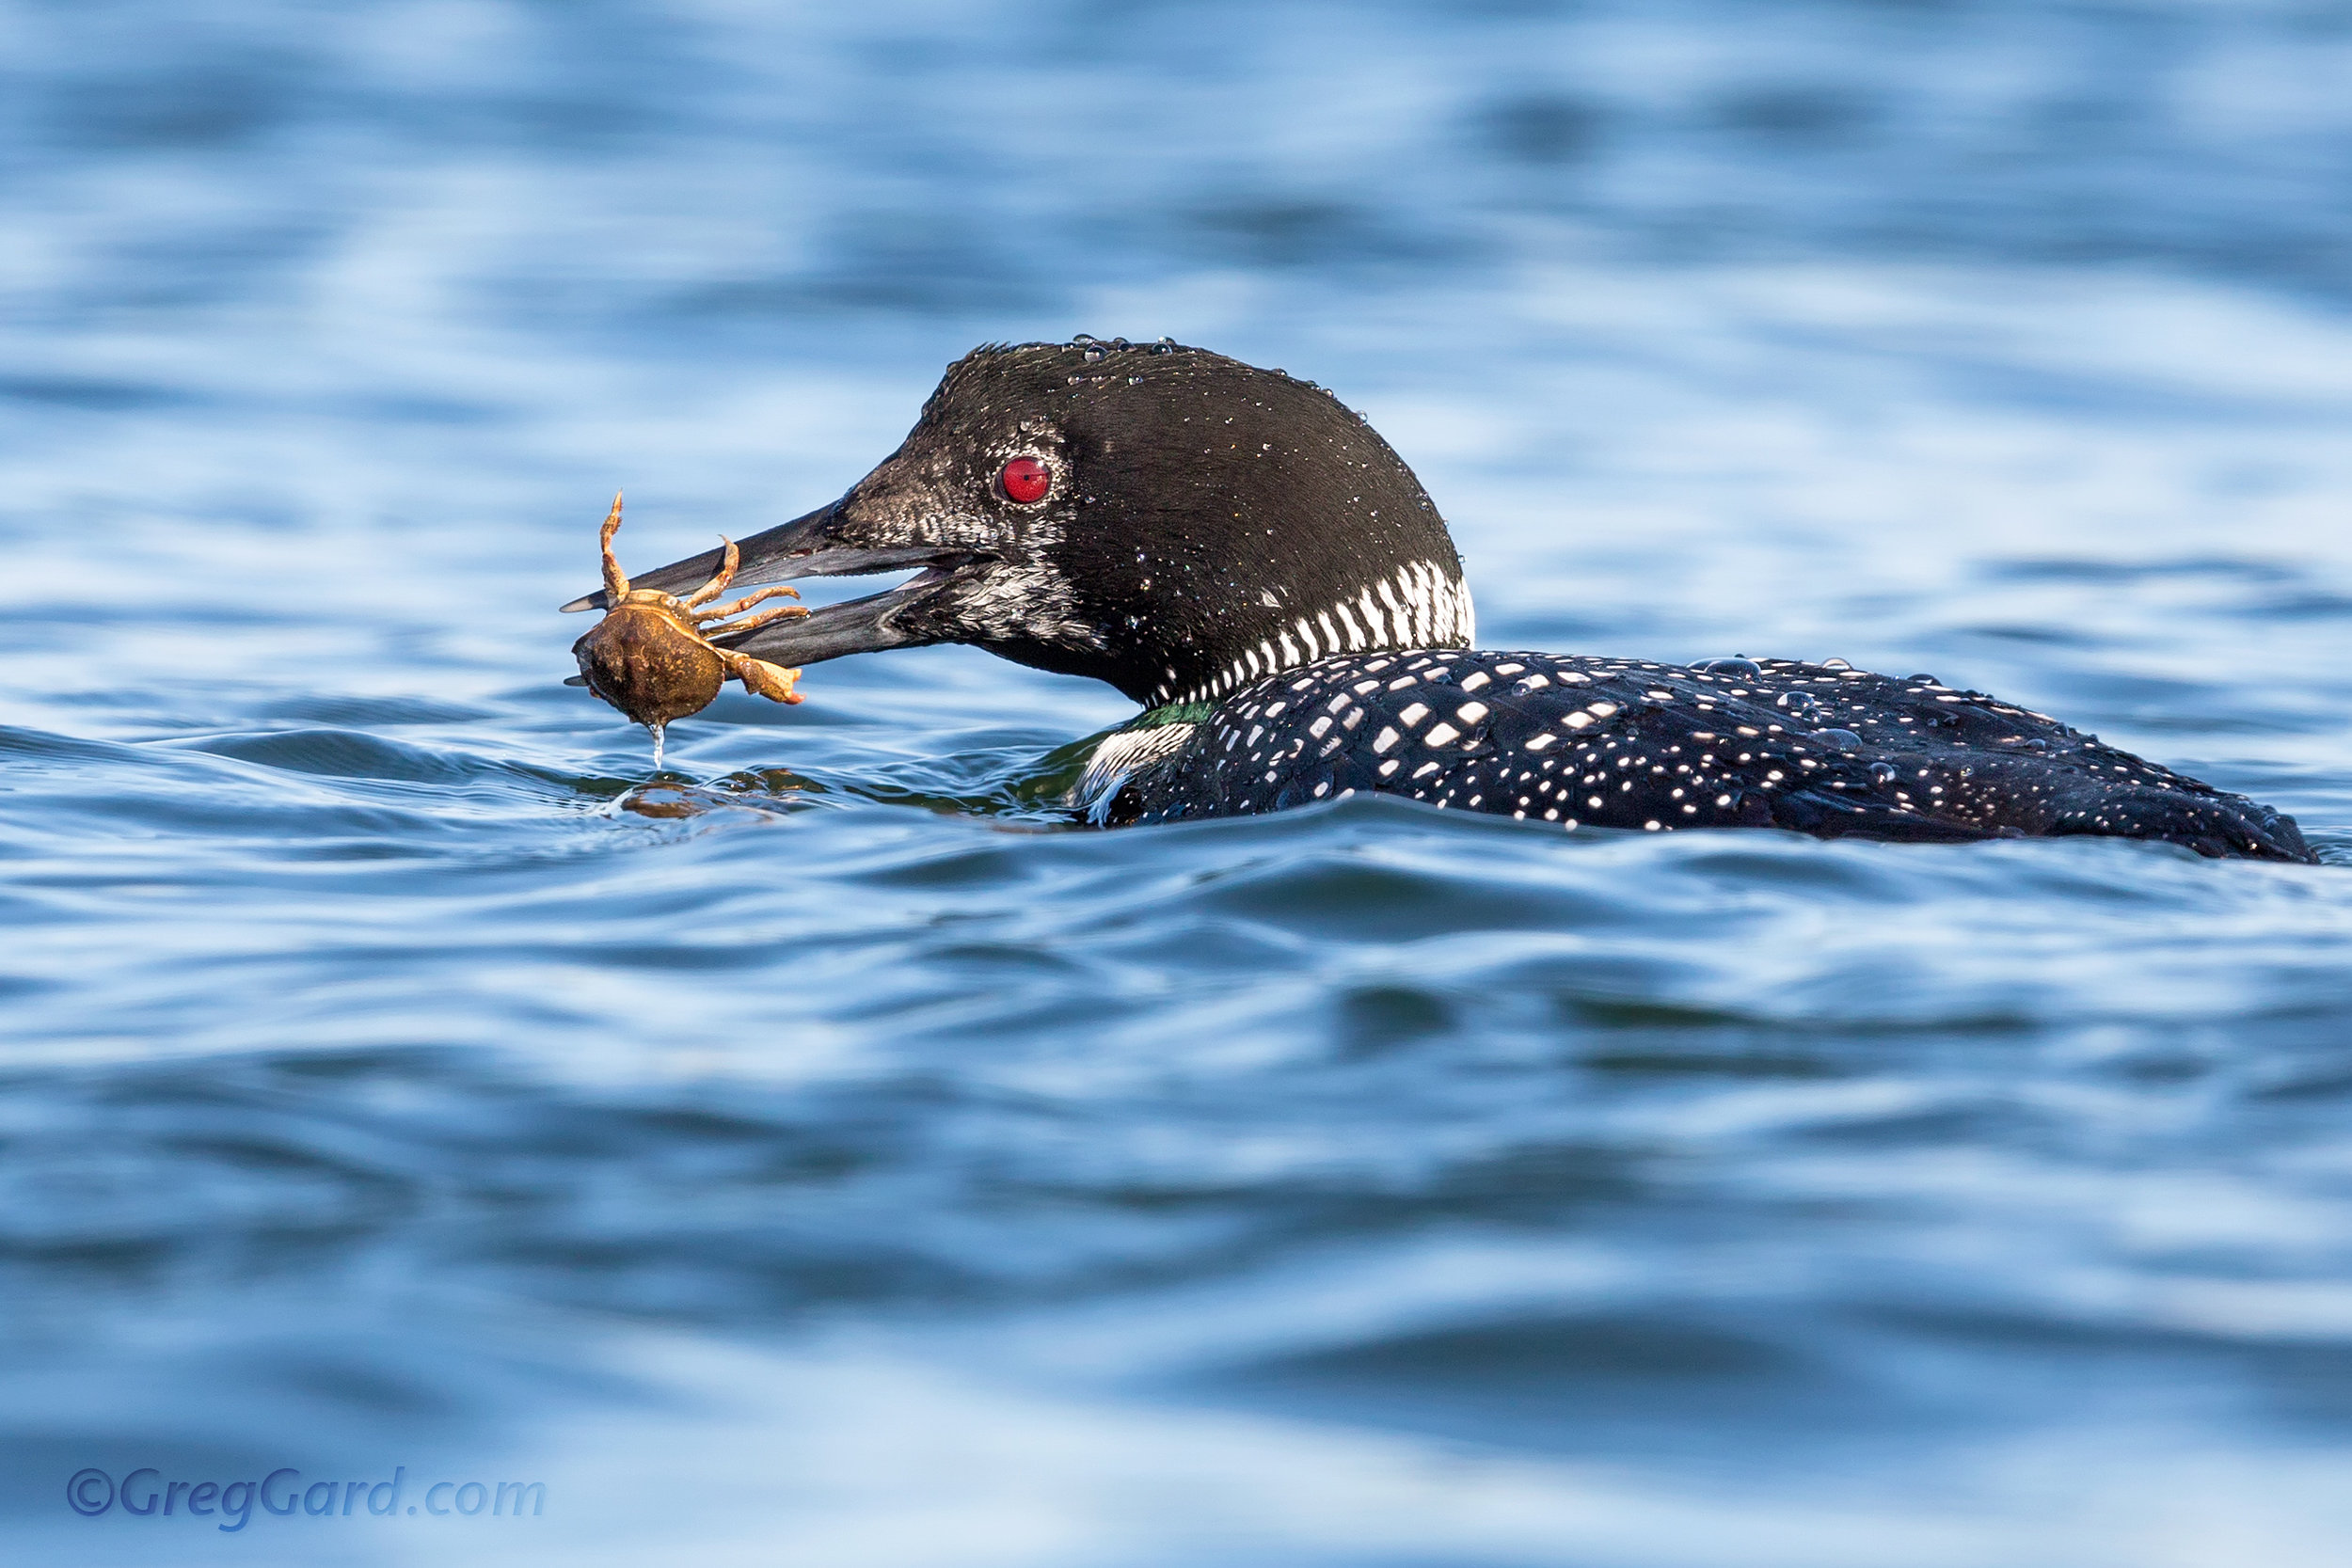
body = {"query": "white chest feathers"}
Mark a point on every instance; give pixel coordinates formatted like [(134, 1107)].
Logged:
[(1123, 755)]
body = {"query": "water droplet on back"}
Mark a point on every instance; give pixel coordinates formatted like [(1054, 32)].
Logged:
[(1801, 704), (1845, 741), (1733, 666), (1882, 771)]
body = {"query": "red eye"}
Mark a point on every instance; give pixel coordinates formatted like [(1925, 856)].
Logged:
[(1026, 480)]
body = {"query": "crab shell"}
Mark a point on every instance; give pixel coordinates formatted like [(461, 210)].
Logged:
[(646, 660)]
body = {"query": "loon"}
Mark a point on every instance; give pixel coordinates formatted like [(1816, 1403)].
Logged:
[(1241, 554)]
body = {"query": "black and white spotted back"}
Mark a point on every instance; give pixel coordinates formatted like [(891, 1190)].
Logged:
[(1580, 742)]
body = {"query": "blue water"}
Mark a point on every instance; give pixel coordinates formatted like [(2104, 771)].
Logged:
[(821, 1154)]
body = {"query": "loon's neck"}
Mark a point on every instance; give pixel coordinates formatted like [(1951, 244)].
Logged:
[(1169, 713), (1418, 604)]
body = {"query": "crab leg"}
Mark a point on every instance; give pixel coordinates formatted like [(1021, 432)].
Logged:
[(616, 581), (717, 585), (780, 612), (721, 612)]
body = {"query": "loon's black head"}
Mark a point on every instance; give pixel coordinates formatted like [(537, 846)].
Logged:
[(1164, 518)]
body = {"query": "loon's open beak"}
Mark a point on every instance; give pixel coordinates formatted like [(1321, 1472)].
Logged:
[(805, 547)]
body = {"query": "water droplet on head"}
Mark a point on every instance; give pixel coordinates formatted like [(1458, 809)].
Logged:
[(1733, 666), (1093, 353), (1924, 680)]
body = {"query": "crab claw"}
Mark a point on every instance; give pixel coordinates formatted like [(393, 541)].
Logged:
[(771, 681)]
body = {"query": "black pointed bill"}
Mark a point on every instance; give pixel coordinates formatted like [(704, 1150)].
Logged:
[(803, 548)]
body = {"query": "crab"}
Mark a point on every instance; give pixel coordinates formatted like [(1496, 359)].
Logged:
[(651, 654)]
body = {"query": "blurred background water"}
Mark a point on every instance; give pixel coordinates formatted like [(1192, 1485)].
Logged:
[(819, 1154)]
